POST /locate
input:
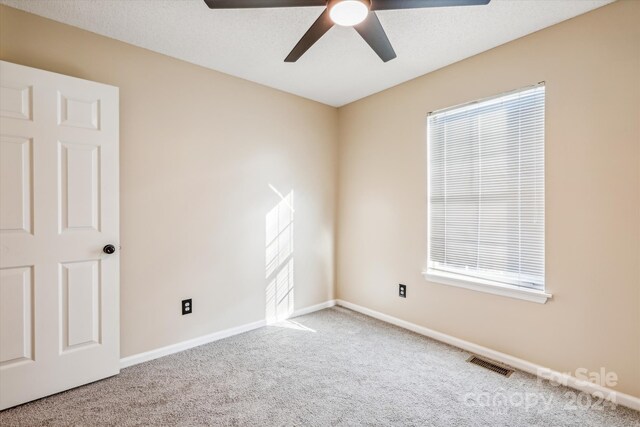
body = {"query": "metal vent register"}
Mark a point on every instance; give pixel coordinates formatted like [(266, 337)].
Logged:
[(502, 370)]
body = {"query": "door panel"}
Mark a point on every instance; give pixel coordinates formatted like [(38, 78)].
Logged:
[(79, 188), (81, 113), (59, 293), (80, 296), (15, 102), (16, 316), (15, 185)]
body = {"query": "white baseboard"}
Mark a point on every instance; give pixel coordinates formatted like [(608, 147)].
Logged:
[(313, 308), (520, 364), (125, 362)]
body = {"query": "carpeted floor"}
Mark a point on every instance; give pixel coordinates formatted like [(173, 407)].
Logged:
[(332, 367)]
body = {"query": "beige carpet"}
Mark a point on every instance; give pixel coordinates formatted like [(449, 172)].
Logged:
[(333, 367)]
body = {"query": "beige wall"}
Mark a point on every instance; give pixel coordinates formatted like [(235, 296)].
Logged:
[(198, 150), (591, 65)]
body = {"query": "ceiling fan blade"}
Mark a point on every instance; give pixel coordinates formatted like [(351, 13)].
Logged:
[(417, 4), (252, 4), (313, 34), (372, 32)]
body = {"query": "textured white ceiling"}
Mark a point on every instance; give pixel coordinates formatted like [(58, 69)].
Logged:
[(339, 68)]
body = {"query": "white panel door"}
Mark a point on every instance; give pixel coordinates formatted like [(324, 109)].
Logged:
[(59, 290)]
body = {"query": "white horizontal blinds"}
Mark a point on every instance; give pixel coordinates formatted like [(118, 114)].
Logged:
[(487, 189)]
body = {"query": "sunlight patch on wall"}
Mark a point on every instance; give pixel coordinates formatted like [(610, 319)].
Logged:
[(279, 259)]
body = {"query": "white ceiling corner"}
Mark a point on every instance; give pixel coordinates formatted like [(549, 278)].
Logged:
[(340, 68)]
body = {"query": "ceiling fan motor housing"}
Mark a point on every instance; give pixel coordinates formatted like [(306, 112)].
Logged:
[(331, 3), (348, 12)]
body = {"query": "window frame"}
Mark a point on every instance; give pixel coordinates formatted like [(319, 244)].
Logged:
[(451, 277)]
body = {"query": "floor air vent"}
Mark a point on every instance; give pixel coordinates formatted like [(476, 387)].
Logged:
[(502, 370)]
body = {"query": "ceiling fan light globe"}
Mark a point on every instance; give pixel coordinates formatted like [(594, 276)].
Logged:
[(348, 13)]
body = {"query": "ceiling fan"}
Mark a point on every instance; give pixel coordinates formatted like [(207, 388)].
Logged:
[(359, 14)]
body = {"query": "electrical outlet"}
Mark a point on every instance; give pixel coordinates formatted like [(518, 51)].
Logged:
[(402, 290), (187, 306)]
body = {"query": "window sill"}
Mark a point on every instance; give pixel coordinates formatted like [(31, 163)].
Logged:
[(487, 286)]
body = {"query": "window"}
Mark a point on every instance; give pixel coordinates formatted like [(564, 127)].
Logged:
[(486, 195)]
